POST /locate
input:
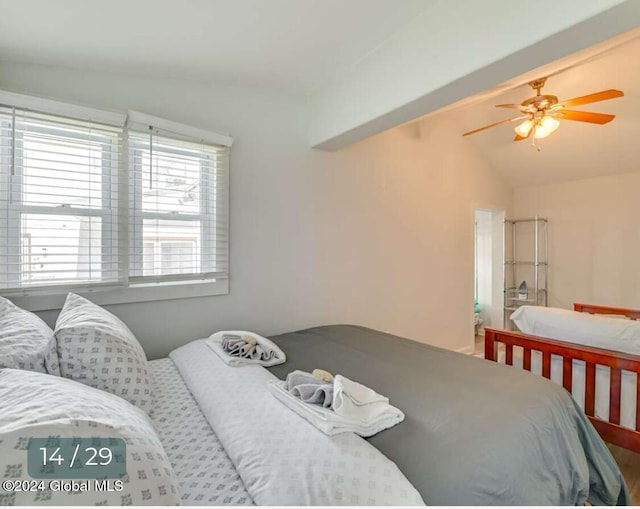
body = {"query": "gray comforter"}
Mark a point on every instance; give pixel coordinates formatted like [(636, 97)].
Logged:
[(476, 433)]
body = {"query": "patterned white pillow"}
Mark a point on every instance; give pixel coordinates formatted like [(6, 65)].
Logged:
[(35, 405), (95, 348), (26, 342)]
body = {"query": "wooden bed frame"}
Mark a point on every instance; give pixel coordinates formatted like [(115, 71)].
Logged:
[(610, 430)]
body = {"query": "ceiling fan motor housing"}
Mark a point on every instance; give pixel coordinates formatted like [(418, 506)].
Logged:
[(540, 102)]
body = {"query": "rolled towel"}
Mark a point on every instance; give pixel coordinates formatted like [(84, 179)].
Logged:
[(237, 348), (327, 421), (246, 347), (231, 343), (310, 389), (356, 401)]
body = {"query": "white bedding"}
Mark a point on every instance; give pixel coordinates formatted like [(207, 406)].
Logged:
[(583, 329), (205, 473), (281, 458), (26, 342), (37, 405), (597, 331)]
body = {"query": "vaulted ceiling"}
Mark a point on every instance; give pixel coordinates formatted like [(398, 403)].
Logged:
[(369, 64), (295, 45), (576, 150)]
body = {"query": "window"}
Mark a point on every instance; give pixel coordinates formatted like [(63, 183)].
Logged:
[(59, 217), (178, 216), (77, 211)]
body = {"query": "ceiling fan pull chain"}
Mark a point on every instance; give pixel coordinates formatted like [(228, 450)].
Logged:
[(534, 143)]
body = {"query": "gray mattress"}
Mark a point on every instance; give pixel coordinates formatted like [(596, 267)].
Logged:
[(476, 433)]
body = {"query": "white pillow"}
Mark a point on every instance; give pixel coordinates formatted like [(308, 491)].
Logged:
[(26, 342), (34, 405), (579, 328), (95, 348)]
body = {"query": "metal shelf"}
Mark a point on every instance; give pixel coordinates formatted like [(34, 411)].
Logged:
[(514, 308), (539, 219), (532, 269), (515, 290), (534, 264)]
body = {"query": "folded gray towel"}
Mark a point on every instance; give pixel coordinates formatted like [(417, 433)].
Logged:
[(238, 346), (309, 389)]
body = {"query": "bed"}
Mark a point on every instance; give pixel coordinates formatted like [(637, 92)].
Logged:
[(201, 432), (475, 433), (594, 376)]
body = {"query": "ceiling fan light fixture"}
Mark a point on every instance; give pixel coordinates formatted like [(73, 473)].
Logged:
[(524, 128), (541, 110), (545, 127)]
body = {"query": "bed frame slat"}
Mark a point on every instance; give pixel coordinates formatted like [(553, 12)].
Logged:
[(526, 360), (590, 390), (546, 365), (615, 388), (611, 431), (638, 402), (567, 373)]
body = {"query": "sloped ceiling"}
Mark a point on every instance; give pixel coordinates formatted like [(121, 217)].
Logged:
[(576, 150), (291, 45)]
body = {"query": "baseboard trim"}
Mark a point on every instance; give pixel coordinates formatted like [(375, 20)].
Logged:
[(467, 350)]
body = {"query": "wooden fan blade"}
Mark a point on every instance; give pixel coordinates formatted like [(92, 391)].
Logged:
[(493, 125), (513, 107), (585, 116), (591, 98)]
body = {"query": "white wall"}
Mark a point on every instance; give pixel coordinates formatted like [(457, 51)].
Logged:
[(379, 234), (594, 238)]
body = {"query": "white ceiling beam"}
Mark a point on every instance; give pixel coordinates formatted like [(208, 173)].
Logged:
[(455, 49)]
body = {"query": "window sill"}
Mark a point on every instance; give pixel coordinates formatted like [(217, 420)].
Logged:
[(54, 299)]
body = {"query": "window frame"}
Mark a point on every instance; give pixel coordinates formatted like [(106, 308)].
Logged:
[(127, 289), (16, 209), (138, 215)]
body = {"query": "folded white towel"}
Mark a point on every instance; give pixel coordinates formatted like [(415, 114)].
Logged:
[(329, 422), (275, 355), (356, 401)]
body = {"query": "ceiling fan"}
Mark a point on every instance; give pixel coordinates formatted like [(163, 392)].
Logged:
[(541, 114)]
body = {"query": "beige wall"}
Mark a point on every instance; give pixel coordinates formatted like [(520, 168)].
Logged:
[(379, 234), (400, 234), (594, 238)]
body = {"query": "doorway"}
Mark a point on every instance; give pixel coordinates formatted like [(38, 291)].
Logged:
[(489, 273)]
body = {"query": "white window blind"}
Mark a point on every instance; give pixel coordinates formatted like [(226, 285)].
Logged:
[(86, 202), (178, 206), (59, 210)]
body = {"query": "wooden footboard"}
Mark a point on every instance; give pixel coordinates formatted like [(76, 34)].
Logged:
[(610, 430), (634, 314)]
